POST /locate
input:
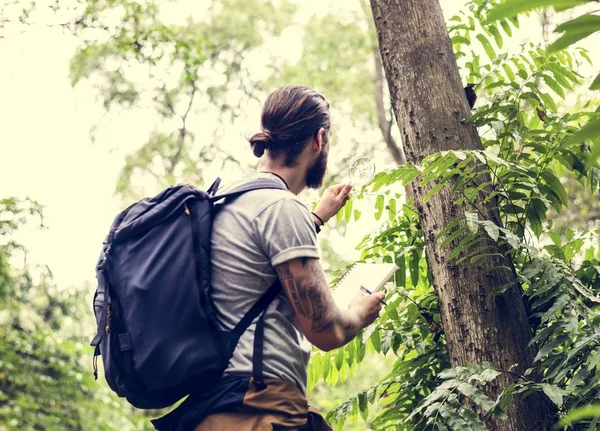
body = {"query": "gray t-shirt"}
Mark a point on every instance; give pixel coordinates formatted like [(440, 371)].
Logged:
[(251, 235)]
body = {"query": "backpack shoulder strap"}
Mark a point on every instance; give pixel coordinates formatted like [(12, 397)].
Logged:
[(261, 183), (260, 306), (258, 309)]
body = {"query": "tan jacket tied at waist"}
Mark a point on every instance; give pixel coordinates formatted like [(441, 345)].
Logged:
[(281, 406)]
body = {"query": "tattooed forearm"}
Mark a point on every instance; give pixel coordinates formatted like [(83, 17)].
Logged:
[(292, 289), (289, 284), (309, 295), (308, 292), (324, 312)]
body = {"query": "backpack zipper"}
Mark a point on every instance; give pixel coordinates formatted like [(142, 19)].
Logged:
[(186, 209), (107, 328)]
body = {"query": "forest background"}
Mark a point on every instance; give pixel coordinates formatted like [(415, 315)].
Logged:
[(108, 101)]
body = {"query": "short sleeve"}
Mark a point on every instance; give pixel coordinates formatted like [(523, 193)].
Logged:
[(285, 231)]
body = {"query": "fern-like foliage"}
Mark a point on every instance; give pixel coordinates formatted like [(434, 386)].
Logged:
[(530, 145)]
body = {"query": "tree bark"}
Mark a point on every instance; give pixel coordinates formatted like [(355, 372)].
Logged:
[(429, 103)]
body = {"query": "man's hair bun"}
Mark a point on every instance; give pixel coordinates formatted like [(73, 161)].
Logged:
[(260, 142), (291, 116)]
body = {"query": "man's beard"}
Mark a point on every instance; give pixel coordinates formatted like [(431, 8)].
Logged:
[(316, 173)]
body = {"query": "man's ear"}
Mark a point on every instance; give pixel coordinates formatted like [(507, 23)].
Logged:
[(319, 140)]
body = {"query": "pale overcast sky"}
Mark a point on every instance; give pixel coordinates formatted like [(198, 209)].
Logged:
[(46, 152)]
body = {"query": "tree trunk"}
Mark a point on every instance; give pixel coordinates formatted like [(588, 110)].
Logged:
[(429, 103)]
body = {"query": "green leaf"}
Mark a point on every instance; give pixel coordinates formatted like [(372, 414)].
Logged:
[(509, 72), (315, 365), (558, 305), (376, 340), (460, 40), (554, 393), (466, 243), (344, 372), (541, 337), (497, 36), (400, 275), (451, 225), (441, 427), (473, 420), (561, 76), (363, 405), (594, 177), (348, 211), (581, 413), (339, 359), (492, 230), (556, 186), (512, 209), (472, 221), (584, 21), (354, 411), (360, 349), (511, 8), (433, 191), (448, 373), (478, 257), (350, 357), (392, 209), (555, 86), (569, 38), (386, 342), (596, 84), (487, 46), (589, 131), (414, 267), (453, 418), (551, 196), (476, 395), (594, 360), (506, 26), (535, 215), (585, 55), (549, 102), (379, 207), (326, 366)]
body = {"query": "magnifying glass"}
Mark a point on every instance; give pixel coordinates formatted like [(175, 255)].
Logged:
[(361, 171)]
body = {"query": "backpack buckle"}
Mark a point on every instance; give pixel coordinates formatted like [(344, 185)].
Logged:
[(214, 187), (103, 259)]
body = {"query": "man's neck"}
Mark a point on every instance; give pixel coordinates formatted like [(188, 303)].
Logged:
[(294, 176)]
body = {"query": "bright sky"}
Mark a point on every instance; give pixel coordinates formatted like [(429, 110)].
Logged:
[(46, 152)]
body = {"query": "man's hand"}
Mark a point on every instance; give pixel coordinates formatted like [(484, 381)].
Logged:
[(332, 201), (367, 306)]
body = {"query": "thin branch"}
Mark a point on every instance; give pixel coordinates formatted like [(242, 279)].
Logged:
[(182, 131), (385, 126), (169, 102), (187, 111)]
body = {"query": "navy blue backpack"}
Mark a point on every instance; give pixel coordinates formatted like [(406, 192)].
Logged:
[(157, 329)]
